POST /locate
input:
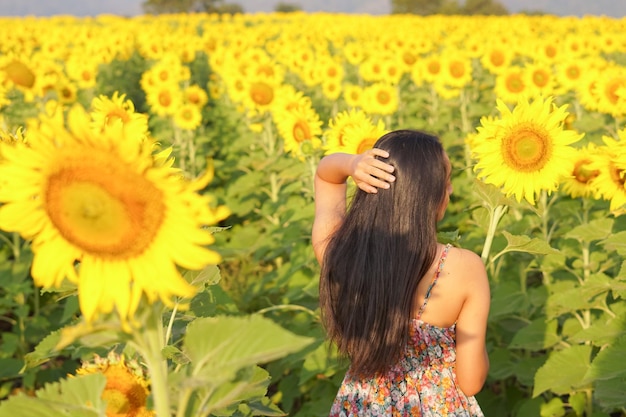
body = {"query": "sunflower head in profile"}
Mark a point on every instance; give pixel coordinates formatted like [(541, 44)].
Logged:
[(610, 163), (526, 150), (105, 213), (106, 111), (127, 388), (581, 181)]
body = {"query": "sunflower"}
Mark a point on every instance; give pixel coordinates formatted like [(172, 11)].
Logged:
[(353, 95), (359, 138), (335, 134), (194, 94), (352, 132), (380, 98), (66, 91), (331, 89), (569, 74), (372, 69), (580, 181), (83, 71), (539, 79), (611, 164), (107, 111), (164, 99), (608, 92), (354, 53), (188, 117), (96, 198), (126, 390), (526, 150), (456, 70), (300, 129), (496, 58), (511, 85)]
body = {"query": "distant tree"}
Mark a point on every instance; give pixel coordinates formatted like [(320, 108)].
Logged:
[(484, 7), (186, 6), (229, 8), (421, 7), (428, 7), (283, 7)]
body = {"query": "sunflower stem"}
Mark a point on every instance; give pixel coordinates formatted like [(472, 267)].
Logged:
[(494, 218), (152, 343)]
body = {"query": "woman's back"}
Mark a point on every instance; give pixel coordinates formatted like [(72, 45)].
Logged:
[(424, 381)]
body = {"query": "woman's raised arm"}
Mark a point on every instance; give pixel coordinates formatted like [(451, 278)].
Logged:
[(332, 172)]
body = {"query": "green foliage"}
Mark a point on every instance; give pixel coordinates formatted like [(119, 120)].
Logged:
[(184, 6), (284, 7), (449, 7), (75, 397)]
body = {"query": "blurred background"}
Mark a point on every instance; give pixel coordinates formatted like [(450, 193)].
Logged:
[(612, 8)]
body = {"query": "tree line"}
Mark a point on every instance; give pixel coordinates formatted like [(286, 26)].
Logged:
[(419, 7)]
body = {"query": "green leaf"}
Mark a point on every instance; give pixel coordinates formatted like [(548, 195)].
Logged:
[(578, 402), (609, 362), (517, 243), (491, 195), (78, 396), (594, 230), (506, 299), (10, 367), (210, 275), (553, 408), (610, 393), (538, 335), (264, 407), (603, 330), (616, 242), (319, 363), (250, 384), (45, 350), (220, 346), (564, 371)]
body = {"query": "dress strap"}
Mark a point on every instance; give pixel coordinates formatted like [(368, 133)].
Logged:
[(442, 260)]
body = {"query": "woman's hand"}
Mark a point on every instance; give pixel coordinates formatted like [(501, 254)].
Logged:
[(370, 173)]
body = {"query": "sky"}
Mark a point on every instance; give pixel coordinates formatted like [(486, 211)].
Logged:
[(611, 8)]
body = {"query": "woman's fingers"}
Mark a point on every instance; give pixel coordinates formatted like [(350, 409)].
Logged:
[(373, 173)]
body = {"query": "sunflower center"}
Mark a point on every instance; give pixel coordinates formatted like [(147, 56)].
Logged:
[(514, 84), (117, 114), (526, 149), (612, 87), (20, 74), (582, 174), (540, 78), (617, 175), (165, 99), (457, 69), (434, 67), (103, 207), (383, 97), (301, 131), (550, 51), (261, 93), (497, 58), (573, 72)]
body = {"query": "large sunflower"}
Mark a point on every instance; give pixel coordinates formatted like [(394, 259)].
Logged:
[(526, 150), (105, 214)]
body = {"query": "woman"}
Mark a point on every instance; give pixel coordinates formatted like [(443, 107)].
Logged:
[(409, 312)]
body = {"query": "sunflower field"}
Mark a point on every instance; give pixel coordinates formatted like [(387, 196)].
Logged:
[(156, 202)]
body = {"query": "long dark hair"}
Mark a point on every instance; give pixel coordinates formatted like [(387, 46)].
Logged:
[(385, 245)]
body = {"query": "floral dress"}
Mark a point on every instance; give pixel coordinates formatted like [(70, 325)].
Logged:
[(423, 383)]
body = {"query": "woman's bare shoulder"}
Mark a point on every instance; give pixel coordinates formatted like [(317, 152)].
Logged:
[(466, 265)]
